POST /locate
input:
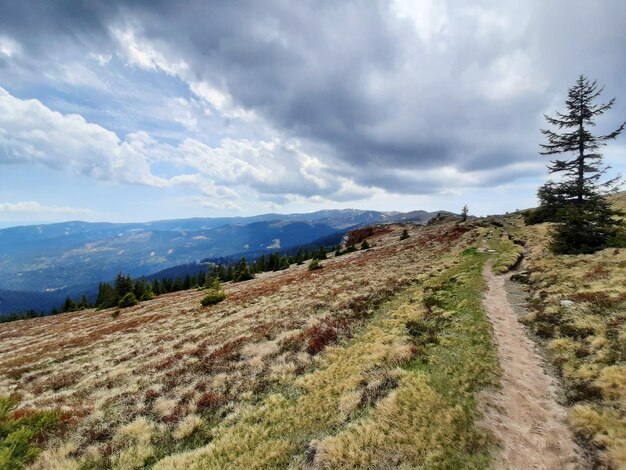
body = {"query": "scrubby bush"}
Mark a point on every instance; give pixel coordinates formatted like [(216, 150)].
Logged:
[(128, 300), (315, 264), (215, 294), (365, 245), (213, 298), (20, 431), (405, 234)]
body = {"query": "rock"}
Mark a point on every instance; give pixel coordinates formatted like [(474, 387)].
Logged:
[(522, 276), (567, 303)]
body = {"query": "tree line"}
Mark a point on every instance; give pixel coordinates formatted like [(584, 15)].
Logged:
[(126, 291)]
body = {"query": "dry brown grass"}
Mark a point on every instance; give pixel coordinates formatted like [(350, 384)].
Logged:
[(586, 339), (157, 368)]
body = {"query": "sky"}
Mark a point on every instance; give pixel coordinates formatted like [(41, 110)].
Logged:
[(144, 110)]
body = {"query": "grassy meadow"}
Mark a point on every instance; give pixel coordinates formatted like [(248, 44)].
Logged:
[(373, 361), (376, 360)]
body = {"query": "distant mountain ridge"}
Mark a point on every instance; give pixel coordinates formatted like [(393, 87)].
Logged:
[(61, 258)]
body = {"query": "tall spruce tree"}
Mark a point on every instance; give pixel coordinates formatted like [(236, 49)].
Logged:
[(579, 198)]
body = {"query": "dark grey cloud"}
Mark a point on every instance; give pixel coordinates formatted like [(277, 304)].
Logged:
[(388, 97)]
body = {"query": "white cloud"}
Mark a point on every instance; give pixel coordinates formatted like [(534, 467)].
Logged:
[(429, 17), (513, 75), (33, 207), (32, 133), (145, 54), (219, 100), (274, 170), (9, 47), (150, 55), (102, 59)]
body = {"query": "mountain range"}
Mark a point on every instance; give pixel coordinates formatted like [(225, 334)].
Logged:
[(42, 264)]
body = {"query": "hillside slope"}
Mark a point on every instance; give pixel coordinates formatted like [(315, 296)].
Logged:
[(383, 358), (57, 256), (373, 361)]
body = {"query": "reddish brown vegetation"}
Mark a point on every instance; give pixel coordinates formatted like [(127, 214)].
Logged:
[(600, 298), (361, 234), (179, 412), (324, 333), (598, 272), (210, 401), (56, 382)]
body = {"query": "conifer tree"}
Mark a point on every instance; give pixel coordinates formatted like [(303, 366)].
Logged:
[(123, 285), (315, 264), (156, 287), (177, 285), (242, 271), (128, 300), (68, 305), (464, 212), (283, 263), (321, 253), (579, 198)]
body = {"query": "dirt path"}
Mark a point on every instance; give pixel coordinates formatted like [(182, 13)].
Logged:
[(524, 414)]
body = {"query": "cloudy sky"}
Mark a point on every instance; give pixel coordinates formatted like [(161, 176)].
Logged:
[(153, 109)]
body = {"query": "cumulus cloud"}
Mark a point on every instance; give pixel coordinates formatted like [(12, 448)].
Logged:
[(410, 86), (340, 100), (32, 133)]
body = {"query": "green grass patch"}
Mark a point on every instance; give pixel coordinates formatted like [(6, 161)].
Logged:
[(20, 430), (508, 253), (458, 357), (469, 251)]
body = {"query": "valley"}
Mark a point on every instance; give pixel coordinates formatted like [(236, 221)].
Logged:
[(42, 265)]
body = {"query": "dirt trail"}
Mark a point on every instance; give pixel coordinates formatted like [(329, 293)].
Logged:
[(524, 414)]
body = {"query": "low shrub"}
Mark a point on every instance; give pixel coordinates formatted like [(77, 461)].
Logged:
[(129, 300), (320, 336), (213, 298), (315, 265), (210, 401), (349, 249), (215, 294), (20, 432)]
